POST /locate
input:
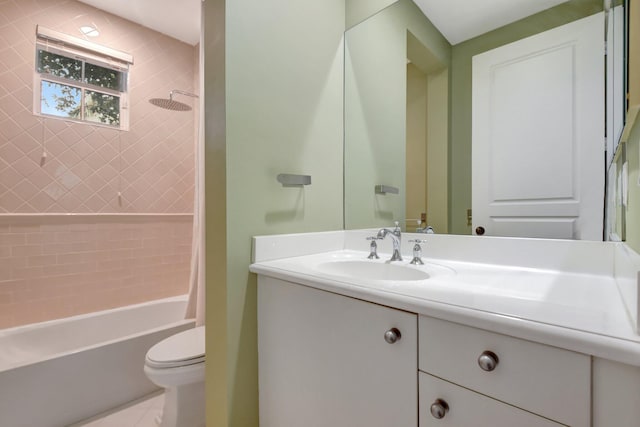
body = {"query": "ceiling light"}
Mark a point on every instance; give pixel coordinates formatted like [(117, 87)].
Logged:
[(89, 31)]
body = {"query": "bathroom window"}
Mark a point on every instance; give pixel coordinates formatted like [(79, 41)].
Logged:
[(79, 84)]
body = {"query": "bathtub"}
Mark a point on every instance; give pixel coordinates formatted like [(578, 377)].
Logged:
[(56, 373)]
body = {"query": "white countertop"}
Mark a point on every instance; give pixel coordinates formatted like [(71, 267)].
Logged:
[(583, 312)]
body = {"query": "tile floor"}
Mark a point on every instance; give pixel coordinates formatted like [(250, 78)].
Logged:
[(140, 413)]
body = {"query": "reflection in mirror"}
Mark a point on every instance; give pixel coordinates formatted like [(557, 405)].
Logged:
[(426, 139), (392, 100), (357, 11), (396, 67)]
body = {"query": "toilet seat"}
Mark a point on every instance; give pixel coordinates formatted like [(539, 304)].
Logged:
[(183, 349)]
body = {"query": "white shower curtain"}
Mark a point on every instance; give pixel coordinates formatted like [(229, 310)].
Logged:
[(196, 303)]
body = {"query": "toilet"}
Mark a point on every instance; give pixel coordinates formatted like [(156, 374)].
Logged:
[(177, 365)]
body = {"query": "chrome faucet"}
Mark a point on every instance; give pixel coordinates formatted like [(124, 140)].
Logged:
[(373, 248), (417, 252), (396, 236)]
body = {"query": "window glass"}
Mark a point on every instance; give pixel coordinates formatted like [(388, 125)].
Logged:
[(59, 65), (72, 88), (60, 100), (104, 77), (101, 108)]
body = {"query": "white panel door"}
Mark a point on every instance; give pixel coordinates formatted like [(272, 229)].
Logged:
[(538, 135)]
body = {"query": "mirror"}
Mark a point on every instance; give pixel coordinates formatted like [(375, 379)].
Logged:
[(404, 83), (386, 116)]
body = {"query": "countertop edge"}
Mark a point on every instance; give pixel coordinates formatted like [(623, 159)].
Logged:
[(593, 344)]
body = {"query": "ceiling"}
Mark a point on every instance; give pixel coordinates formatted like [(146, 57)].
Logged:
[(179, 19), (457, 20), (460, 20)]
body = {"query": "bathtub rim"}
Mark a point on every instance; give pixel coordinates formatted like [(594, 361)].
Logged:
[(79, 317)]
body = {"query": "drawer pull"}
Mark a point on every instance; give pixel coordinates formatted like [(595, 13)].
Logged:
[(392, 335), (488, 361), (439, 409)]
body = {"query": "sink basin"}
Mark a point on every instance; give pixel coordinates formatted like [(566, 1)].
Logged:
[(371, 270)]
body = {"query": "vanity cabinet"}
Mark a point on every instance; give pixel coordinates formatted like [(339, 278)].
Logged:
[(493, 345), (329, 360)]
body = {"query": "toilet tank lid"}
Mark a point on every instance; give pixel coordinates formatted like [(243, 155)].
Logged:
[(184, 346)]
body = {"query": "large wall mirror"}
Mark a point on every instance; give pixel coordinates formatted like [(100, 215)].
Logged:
[(409, 131)]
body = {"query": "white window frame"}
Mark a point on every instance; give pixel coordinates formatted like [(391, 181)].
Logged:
[(82, 50)]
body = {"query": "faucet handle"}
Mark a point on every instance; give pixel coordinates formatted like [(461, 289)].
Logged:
[(373, 247), (417, 251)]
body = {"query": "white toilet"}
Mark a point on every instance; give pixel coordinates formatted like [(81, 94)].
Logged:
[(177, 364)]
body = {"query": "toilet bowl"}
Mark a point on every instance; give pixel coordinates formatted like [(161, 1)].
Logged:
[(177, 364)]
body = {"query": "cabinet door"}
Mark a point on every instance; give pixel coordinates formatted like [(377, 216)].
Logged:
[(470, 409), (616, 394), (324, 361)]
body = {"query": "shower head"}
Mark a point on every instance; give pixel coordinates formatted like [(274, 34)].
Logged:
[(170, 104)]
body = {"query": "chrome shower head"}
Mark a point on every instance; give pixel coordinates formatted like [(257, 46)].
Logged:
[(171, 104)]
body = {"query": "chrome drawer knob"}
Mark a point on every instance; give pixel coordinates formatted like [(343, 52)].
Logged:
[(439, 409), (392, 335), (488, 361)]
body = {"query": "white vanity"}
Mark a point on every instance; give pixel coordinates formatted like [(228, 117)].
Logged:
[(488, 332)]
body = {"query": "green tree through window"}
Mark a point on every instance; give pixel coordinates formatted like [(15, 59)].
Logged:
[(102, 108), (58, 65), (71, 87)]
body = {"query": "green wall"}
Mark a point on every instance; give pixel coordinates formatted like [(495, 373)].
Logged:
[(213, 95), (632, 213), (282, 113), (359, 10), (460, 133)]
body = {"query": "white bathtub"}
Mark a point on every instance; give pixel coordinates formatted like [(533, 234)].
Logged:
[(56, 373)]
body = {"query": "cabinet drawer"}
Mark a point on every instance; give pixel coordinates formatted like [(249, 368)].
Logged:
[(466, 408), (548, 381)]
